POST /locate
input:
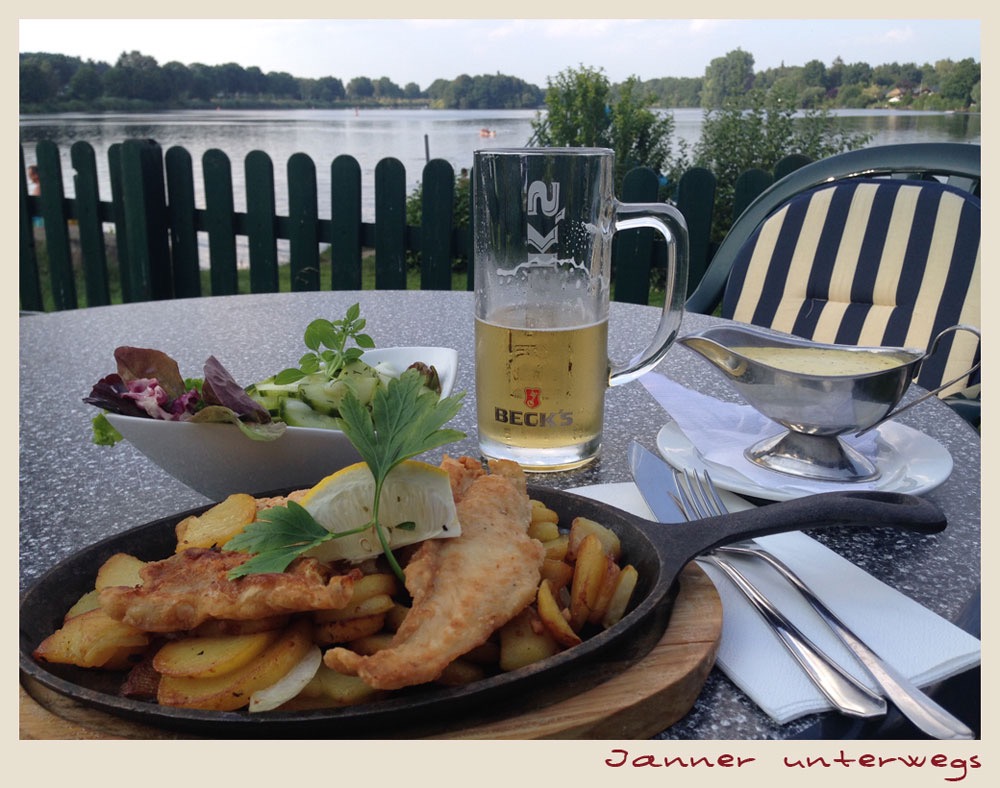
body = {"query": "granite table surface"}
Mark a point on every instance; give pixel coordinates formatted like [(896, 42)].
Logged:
[(74, 493)]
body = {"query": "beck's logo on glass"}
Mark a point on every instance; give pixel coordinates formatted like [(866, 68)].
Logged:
[(532, 397), (544, 215)]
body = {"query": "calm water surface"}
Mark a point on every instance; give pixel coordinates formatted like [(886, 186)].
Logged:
[(371, 135)]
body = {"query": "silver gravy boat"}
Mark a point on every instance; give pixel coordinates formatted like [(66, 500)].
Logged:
[(818, 392)]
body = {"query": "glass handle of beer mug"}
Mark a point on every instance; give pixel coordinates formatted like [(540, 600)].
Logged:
[(669, 222)]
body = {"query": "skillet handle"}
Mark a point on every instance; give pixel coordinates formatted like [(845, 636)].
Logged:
[(865, 509)]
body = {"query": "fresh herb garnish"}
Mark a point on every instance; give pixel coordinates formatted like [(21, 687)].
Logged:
[(277, 536), (327, 341), (406, 419)]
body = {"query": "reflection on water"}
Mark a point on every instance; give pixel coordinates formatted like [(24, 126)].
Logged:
[(371, 135)]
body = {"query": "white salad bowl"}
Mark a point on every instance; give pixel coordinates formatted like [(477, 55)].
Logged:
[(218, 460)]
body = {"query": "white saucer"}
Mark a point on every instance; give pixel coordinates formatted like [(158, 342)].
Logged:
[(910, 461)]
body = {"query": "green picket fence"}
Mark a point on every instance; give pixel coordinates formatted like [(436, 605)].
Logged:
[(156, 226)]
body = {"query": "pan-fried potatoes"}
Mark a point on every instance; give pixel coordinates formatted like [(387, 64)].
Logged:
[(218, 525), (220, 664), (232, 690)]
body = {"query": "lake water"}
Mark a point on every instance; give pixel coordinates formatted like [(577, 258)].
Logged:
[(371, 135)]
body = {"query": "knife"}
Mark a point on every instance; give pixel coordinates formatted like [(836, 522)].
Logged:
[(654, 478)]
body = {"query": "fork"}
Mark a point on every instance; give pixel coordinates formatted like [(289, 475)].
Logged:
[(699, 498), (846, 693)]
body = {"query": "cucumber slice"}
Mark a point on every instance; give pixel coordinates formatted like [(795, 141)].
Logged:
[(296, 413)]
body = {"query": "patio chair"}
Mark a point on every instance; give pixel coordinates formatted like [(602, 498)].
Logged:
[(879, 246)]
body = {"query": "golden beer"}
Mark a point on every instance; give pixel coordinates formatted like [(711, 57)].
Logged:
[(540, 387)]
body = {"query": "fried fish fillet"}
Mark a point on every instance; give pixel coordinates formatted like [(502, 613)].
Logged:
[(464, 588), (191, 587)]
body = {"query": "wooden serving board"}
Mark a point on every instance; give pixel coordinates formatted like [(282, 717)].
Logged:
[(648, 697)]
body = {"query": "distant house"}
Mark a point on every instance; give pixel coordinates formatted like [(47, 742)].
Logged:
[(894, 95)]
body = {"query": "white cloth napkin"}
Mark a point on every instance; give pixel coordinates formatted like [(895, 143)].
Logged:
[(722, 430), (919, 643)]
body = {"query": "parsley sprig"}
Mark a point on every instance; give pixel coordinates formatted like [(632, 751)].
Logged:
[(327, 341), (406, 419)]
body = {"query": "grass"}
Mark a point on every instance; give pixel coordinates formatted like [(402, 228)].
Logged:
[(243, 279), (458, 282)]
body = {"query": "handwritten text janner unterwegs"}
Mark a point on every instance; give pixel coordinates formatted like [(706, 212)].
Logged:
[(958, 768)]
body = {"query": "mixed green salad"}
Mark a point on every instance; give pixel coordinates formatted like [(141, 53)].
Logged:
[(148, 384)]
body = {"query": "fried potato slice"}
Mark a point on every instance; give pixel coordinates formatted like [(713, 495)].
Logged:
[(330, 688), (216, 526), (227, 627), (558, 573), (201, 657), (552, 616), (588, 576), (93, 640), (522, 644), (540, 513), (120, 569), (371, 606), (89, 601), (461, 672), (557, 549), (329, 632), (581, 527), (232, 691), (618, 604)]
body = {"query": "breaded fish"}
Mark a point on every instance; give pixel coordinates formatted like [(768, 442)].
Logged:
[(191, 587), (464, 588)]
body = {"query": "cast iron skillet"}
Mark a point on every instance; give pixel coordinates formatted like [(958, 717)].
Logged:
[(659, 552)]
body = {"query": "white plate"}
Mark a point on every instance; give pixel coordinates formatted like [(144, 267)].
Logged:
[(910, 461), (217, 460)]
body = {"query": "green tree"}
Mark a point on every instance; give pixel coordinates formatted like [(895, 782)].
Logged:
[(360, 88), (639, 136), (385, 88), (757, 132), (814, 74), (281, 84), (959, 80), (137, 76), (577, 110), (38, 82), (727, 78), (582, 112), (86, 84)]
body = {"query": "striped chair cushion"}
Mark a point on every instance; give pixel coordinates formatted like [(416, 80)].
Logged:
[(868, 262)]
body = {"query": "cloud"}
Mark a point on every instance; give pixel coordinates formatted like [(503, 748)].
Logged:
[(898, 35)]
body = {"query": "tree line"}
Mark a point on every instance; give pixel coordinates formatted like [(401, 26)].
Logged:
[(54, 82)]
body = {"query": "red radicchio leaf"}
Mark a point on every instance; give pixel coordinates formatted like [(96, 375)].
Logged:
[(108, 393), (135, 363), (220, 388)]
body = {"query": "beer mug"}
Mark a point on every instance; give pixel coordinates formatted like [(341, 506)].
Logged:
[(544, 221)]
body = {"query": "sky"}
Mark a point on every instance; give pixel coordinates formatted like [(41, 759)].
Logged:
[(535, 50)]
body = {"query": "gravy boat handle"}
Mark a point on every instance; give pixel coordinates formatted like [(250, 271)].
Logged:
[(935, 391)]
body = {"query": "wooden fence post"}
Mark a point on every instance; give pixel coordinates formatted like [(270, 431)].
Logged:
[(696, 202), (437, 210), (303, 216), (29, 284), (220, 221), (61, 274), (262, 239), (390, 223), (183, 224), (89, 226), (145, 211), (633, 249), (345, 233)]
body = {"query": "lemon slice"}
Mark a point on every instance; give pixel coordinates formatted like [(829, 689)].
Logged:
[(414, 492)]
